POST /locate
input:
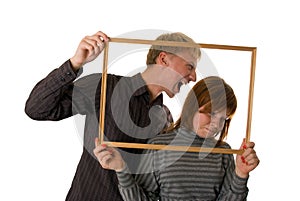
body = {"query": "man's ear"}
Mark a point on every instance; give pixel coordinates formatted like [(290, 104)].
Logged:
[(162, 59)]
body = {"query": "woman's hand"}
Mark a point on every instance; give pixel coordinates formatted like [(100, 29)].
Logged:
[(88, 49), (246, 162), (108, 157)]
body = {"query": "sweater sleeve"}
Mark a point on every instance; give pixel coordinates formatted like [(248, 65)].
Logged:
[(142, 186), (234, 187), (53, 97)]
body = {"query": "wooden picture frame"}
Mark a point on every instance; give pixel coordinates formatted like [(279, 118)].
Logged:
[(171, 147)]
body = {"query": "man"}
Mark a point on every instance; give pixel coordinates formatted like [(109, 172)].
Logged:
[(134, 105)]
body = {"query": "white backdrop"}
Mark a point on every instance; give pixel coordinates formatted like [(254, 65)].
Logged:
[(38, 159)]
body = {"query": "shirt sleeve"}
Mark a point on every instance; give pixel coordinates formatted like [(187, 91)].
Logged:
[(142, 186), (234, 187), (53, 97)]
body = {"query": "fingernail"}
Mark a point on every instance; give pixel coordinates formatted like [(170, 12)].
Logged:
[(243, 159), (244, 146)]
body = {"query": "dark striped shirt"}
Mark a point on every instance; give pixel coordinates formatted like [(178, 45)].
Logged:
[(129, 117), (177, 176)]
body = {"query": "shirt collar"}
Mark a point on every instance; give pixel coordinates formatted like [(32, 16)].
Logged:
[(188, 134), (137, 80)]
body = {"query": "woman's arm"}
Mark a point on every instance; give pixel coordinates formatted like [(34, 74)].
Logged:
[(235, 182), (142, 187)]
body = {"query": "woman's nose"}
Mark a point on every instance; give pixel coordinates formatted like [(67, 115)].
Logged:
[(217, 122)]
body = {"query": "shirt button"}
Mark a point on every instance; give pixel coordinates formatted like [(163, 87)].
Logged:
[(62, 79), (69, 73)]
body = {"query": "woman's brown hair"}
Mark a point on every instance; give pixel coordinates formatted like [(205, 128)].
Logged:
[(214, 94)]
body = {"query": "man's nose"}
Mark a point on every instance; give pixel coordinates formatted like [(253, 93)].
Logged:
[(193, 76)]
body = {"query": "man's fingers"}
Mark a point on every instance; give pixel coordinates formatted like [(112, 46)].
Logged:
[(102, 36)]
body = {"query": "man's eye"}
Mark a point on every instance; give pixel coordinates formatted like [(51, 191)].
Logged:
[(190, 67)]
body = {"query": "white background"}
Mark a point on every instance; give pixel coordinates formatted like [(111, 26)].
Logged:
[(38, 159)]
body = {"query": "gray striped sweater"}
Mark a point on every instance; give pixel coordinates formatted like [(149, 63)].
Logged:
[(177, 176)]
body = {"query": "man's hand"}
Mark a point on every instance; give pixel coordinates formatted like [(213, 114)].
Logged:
[(88, 49)]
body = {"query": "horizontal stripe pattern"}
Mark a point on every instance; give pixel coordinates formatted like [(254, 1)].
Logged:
[(174, 176)]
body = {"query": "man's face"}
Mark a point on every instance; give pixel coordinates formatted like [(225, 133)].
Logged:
[(182, 70)]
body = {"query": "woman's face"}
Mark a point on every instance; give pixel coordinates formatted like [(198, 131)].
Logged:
[(207, 125)]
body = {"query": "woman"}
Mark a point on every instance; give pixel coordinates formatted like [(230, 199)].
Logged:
[(177, 175)]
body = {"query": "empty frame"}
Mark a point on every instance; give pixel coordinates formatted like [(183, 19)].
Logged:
[(250, 90)]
